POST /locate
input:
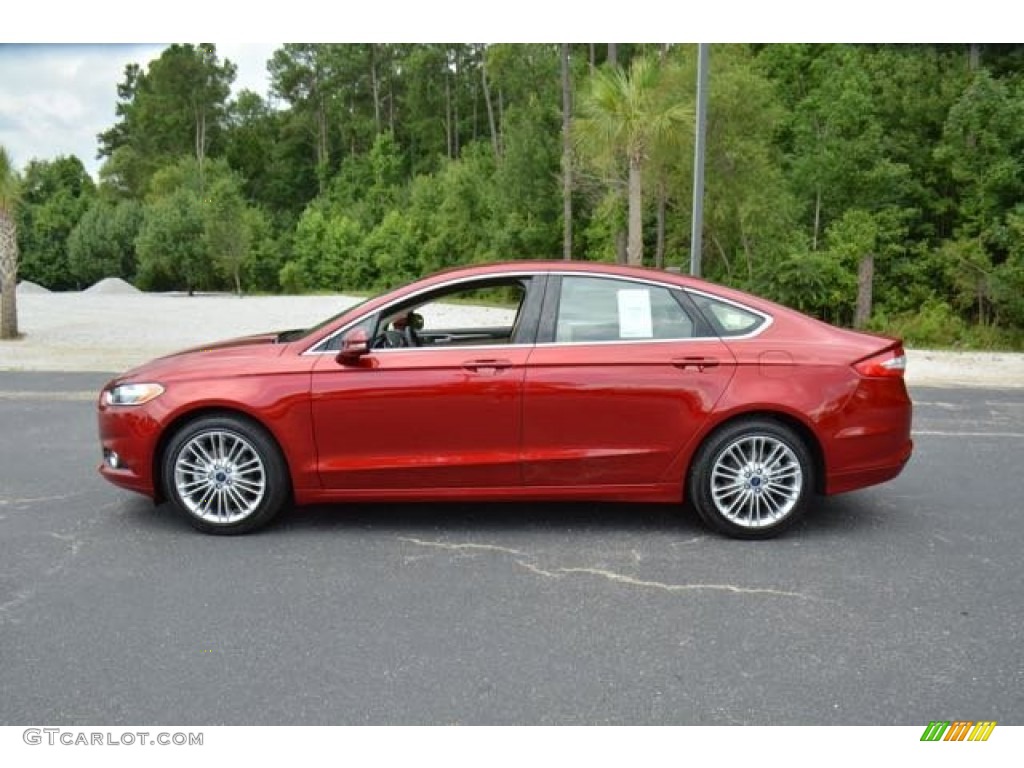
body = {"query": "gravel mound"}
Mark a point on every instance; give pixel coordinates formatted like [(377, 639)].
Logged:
[(27, 286), (113, 285)]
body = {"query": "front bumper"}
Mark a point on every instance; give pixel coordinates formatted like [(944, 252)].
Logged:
[(130, 433)]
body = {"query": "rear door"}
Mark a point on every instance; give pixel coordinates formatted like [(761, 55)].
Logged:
[(624, 374)]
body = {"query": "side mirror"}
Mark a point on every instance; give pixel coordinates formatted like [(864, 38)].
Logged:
[(354, 345)]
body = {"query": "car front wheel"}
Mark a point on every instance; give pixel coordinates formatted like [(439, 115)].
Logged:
[(225, 475), (752, 479)]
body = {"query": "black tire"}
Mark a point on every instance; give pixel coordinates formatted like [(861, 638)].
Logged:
[(225, 474), (751, 479)]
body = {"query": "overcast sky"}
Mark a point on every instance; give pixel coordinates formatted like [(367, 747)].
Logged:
[(55, 99)]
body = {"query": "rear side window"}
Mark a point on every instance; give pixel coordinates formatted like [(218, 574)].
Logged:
[(726, 318), (604, 309)]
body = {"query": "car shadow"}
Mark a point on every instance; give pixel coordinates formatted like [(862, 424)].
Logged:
[(828, 517), (488, 516)]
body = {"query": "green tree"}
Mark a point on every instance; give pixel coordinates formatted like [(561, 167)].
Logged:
[(171, 247), (326, 252), (177, 106), (982, 144), (837, 145), (750, 216), (102, 244), (55, 195), (268, 251), (526, 201), (305, 75), (623, 116), (226, 228), (9, 193)]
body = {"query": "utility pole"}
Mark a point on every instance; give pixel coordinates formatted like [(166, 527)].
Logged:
[(698, 159)]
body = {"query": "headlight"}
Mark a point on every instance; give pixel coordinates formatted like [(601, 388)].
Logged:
[(132, 394)]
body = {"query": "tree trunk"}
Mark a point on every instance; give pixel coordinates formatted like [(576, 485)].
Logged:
[(817, 219), (747, 254), (566, 155), (501, 116), (635, 246), (721, 252), (391, 99), (490, 108), (455, 103), (448, 111), (613, 54), (322, 158), (974, 57), (659, 248), (593, 58), (865, 279), (200, 139), (375, 87), (620, 247), (8, 277)]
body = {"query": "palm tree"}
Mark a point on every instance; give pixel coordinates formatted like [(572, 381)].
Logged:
[(8, 248), (624, 118)]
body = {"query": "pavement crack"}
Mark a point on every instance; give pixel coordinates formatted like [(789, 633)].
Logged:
[(74, 545), (632, 581), (41, 499), (524, 561), (461, 547), (20, 597)]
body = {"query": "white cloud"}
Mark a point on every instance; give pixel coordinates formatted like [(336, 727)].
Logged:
[(55, 99)]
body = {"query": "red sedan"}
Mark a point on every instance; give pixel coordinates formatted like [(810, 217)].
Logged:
[(579, 381)]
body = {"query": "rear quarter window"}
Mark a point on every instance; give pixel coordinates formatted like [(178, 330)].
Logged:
[(728, 319)]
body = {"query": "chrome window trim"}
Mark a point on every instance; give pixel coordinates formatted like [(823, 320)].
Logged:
[(315, 348)]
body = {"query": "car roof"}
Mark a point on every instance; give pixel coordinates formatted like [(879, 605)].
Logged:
[(604, 268)]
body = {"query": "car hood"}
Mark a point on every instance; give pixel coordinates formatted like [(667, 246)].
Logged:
[(218, 358)]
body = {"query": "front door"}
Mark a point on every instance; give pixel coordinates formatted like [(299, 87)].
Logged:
[(437, 404)]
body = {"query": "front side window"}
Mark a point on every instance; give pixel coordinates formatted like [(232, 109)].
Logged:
[(594, 309), (481, 312), (487, 311)]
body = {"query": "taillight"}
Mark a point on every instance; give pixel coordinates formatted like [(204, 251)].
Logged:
[(890, 364)]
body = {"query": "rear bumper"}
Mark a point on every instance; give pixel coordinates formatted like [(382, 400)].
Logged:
[(871, 442), (862, 477)]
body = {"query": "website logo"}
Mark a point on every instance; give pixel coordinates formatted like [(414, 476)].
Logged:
[(958, 730)]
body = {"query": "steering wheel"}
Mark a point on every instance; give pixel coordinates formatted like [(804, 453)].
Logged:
[(389, 340)]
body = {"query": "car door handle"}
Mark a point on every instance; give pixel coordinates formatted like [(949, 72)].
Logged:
[(486, 365), (696, 361)]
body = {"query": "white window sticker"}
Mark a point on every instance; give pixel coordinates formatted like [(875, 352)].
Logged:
[(635, 314)]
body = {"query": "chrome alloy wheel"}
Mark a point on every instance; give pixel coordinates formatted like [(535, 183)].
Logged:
[(756, 481), (220, 477)]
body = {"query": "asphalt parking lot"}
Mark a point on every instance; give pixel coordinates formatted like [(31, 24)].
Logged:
[(900, 604)]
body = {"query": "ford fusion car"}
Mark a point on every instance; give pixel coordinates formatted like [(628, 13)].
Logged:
[(579, 381)]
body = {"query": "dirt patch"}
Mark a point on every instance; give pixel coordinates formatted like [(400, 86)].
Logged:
[(113, 285), (26, 287)]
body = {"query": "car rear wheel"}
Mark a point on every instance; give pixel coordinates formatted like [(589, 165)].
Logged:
[(225, 474), (752, 479)]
